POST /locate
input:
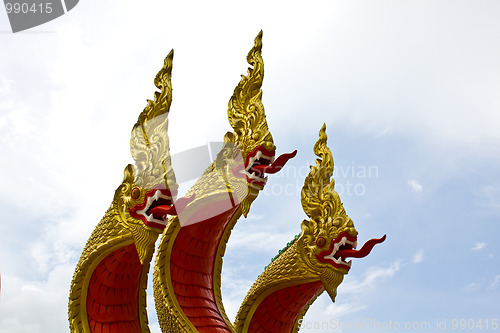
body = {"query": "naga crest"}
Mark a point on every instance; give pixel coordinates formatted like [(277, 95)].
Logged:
[(246, 111), (329, 236), (149, 142), (249, 151), (147, 192)]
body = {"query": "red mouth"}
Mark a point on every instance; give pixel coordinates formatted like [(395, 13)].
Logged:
[(158, 203), (344, 246), (259, 162)]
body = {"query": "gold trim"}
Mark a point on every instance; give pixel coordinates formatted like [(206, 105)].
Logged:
[(218, 266)]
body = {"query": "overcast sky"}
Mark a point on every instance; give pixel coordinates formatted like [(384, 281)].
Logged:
[(409, 91)]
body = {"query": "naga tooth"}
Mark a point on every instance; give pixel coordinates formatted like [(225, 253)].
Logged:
[(258, 155), (354, 245), (271, 160), (335, 247), (343, 240), (265, 179), (251, 160)]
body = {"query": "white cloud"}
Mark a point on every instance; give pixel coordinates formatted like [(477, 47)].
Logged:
[(415, 186), (493, 284), (65, 157), (418, 257), (473, 286), (369, 280), (340, 310), (254, 217), (496, 282), (29, 306), (258, 241), (351, 295), (234, 290), (490, 197), (479, 246), (4, 86)]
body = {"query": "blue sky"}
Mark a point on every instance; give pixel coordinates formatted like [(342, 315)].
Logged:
[(409, 93)]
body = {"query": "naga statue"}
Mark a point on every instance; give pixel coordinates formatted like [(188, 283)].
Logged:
[(314, 261), (108, 291), (187, 272)]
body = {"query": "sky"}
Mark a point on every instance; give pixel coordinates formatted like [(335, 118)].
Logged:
[(409, 94)]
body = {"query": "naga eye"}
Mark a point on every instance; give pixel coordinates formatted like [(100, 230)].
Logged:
[(321, 241), (136, 193), (237, 154)]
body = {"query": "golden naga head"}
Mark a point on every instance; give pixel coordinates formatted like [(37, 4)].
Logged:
[(329, 237), (147, 193), (250, 147)]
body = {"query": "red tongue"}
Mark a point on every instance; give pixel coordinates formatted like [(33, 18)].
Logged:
[(163, 210), (276, 166), (363, 252), (175, 209)]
